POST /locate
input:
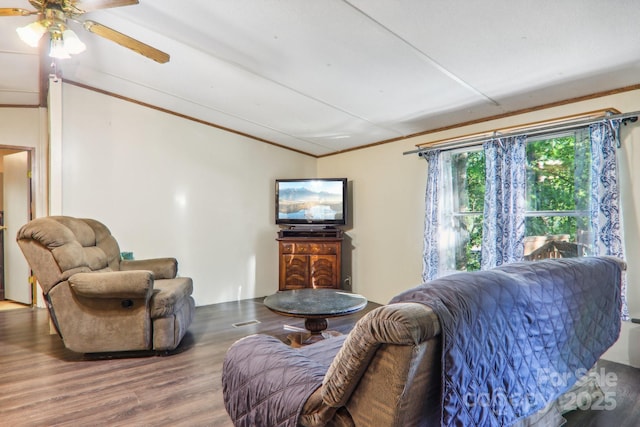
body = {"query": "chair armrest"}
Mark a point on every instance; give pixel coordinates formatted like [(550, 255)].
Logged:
[(162, 268), (113, 284), (266, 382), (400, 323)]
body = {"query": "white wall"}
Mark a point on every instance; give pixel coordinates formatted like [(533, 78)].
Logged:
[(389, 190), (19, 126), (387, 215), (166, 186), (27, 128)]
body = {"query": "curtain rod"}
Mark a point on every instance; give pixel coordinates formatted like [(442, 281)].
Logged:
[(462, 143)]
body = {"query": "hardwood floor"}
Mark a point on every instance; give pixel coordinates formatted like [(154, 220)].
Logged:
[(43, 384), (620, 406)]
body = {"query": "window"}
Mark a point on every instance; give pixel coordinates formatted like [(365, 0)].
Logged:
[(464, 175), (553, 196), (557, 216), (557, 200)]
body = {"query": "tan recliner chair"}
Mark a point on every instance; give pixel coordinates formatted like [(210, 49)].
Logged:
[(98, 302)]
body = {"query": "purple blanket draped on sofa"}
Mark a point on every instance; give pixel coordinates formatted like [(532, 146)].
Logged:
[(517, 336)]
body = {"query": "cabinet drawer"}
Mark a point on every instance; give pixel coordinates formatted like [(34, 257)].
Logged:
[(287, 248), (309, 248), (324, 249)]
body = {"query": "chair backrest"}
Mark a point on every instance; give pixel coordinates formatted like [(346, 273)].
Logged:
[(387, 372), (56, 247)]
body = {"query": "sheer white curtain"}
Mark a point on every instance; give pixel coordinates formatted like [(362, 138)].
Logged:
[(431, 252)]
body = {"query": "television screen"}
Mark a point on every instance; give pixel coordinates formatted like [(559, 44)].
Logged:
[(313, 201)]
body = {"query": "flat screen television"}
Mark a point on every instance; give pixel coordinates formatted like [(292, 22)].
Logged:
[(311, 201)]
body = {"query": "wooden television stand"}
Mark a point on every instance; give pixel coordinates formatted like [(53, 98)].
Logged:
[(309, 258)]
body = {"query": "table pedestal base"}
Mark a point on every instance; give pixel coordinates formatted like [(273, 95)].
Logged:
[(317, 332), (300, 339), (315, 325)]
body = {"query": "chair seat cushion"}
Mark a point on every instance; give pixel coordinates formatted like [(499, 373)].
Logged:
[(169, 295)]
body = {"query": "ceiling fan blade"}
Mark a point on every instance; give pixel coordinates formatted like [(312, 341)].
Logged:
[(126, 41), (91, 5), (14, 11), (38, 4)]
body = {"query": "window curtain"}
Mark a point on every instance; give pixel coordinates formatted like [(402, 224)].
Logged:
[(431, 252), (605, 214), (504, 203)]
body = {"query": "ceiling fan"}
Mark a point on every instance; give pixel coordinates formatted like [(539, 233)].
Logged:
[(52, 19)]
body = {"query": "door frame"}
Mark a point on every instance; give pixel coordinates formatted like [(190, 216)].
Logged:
[(30, 166)]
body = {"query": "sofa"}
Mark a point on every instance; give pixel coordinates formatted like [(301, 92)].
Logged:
[(98, 302), (511, 346)]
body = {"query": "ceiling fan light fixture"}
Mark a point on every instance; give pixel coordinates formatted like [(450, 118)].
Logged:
[(72, 42), (32, 33), (52, 19), (56, 47)]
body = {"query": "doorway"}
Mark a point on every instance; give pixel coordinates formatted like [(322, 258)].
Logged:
[(15, 211)]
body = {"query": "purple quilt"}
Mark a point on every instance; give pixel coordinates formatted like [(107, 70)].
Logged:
[(266, 383), (517, 336)]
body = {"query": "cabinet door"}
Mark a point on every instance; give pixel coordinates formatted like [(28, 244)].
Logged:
[(294, 271), (323, 271)]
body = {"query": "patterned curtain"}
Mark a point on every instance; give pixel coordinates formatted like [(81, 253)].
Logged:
[(504, 204), (431, 253), (605, 214)]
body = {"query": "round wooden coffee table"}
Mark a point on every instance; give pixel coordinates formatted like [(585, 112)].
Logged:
[(315, 306)]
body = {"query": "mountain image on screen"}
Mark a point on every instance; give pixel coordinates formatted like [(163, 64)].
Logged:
[(301, 202)]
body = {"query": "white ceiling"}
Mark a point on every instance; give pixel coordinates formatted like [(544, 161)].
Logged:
[(328, 75)]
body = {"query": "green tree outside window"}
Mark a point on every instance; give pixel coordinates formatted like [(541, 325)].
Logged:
[(557, 196)]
